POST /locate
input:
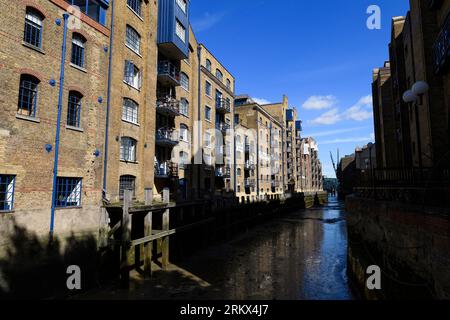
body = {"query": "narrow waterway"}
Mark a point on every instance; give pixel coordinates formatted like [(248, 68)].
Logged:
[(298, 256)]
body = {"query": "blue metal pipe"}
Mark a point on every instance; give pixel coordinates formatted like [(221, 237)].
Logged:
[(58, 126), (108, 102)]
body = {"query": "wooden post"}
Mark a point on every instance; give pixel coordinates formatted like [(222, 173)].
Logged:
[(166, 195), (148, 196), (148, 247), (126, 238), (165, 240)]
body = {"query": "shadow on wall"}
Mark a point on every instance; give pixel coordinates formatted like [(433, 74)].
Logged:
[(36, 269)]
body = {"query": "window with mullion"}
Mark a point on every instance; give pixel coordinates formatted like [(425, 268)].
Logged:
[(135, 5), (184, 107), (128, 149), (7, 192), (68, 192), (130, 111), (74, 109), (78, 51), (33, 28), (133, 39), (127, 183), (28, 93)]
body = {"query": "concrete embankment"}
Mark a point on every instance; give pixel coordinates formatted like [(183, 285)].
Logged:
[(410, 244)]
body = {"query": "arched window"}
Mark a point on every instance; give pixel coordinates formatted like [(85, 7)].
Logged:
[(208, 65), (33, 28), (74, 109), (127, 182), (128, 149), (28, 95), (219, 74), (78, 50), (133, 39), (130, 111), (239, 172), (184, 81), (184, 133), (228, 84)]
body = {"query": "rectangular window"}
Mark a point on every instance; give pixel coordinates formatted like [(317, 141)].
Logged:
[(133, 40), (77, 57), (74, 109), (28, 95), (182, 4), (128, 149), (135, 5), (33, 29), (68, 192), (180, 30), (7, 192), (184, 107), (91, 8), (184, 81), (208, 113), (127, 183), (208, 88), (132, 75)]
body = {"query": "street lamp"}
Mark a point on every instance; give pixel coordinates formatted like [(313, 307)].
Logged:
[(414, 96)]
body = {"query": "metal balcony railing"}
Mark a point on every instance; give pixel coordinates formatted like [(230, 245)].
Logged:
[(167, 137), (168, 106), (223, 171), (223, 127), (166, 169), (249, 183), (223, 105), (249, 165), (169, 72)]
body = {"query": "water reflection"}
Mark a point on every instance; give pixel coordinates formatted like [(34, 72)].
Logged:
[(300, 256)]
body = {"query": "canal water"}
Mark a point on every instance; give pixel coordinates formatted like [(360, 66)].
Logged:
[(299, 256)]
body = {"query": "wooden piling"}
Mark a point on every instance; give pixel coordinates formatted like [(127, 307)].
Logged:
[(126, 238)]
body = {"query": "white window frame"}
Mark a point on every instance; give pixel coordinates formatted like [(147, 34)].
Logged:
[(128, 40), (180, 31)]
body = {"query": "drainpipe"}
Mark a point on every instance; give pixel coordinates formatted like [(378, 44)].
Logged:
[(58, 127), (199, 116), (108, 102)]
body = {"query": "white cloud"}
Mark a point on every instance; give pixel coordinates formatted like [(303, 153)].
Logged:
[(328, 118), (348, 140), (361, 111), (207, 21), (320, 102), (261, 101)]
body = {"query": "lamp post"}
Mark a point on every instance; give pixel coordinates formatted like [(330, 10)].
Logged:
[(414, 97)]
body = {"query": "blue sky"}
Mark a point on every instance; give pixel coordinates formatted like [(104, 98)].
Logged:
[(319, 53)]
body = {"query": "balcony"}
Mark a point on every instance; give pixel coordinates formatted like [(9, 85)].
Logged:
[(223, 172), (167, 137), (249, 165), (168, 106), (275, 184), (223, 127), (441, 49), (169, 15), (223, 105), (166, 169), (249, 183), (168, 73)]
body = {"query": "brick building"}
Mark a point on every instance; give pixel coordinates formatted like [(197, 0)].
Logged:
[(31, 38)]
